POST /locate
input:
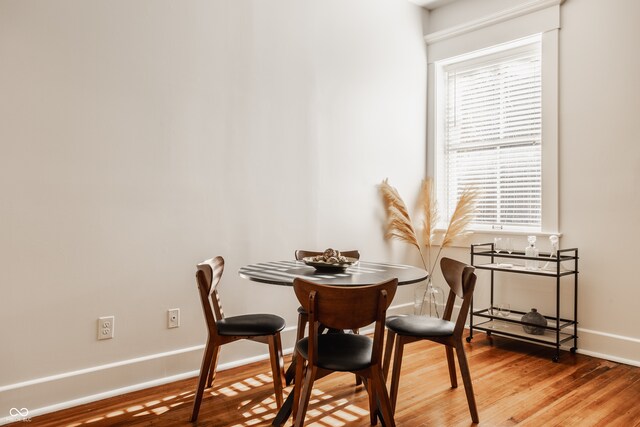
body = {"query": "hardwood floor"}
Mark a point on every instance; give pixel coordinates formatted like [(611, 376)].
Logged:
[(515, 384)]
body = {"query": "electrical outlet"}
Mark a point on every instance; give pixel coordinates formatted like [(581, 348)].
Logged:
[(173, 318), (105, 327)]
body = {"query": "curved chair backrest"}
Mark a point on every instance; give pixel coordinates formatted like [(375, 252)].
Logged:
[(300, 254), (208, 277), (346, 307), (462, 280)]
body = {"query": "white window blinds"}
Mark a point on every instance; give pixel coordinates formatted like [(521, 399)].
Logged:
[(492, 136)]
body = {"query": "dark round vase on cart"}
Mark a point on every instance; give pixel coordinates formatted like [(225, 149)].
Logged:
[(537, 319)]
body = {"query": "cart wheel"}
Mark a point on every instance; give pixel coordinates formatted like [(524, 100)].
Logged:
[(469, 338), (573, 350), (555, 359)]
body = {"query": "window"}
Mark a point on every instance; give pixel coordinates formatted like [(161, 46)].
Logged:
[(489, 114)]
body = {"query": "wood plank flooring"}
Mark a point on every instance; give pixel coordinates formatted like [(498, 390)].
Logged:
[(515, 383)]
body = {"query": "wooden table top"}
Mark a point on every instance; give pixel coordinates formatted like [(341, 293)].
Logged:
[(364, 273)]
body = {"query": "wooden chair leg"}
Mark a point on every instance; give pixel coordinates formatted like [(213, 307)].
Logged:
[(388, 349), (297, 386), (452, 366), (305, 395), (358, 379), (303, 319), (380, 389), (202, 380), (275, 354), (466, 379), (278, 341), (373, 403), (214, 366), (395, 374)]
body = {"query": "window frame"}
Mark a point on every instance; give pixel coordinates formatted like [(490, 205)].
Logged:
[(549, 135), (465, 62)]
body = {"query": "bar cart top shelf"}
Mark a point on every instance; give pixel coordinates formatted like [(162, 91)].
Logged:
[(564, 255)]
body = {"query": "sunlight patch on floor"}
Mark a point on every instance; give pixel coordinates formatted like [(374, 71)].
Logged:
[(240, 386), (227, 392), (256, 410), (253, 382), (264, 378), (159, 411)]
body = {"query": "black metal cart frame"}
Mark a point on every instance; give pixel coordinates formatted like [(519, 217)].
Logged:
[(558, 330)]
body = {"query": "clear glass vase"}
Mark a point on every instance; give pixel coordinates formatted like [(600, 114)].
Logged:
[(428, 300)]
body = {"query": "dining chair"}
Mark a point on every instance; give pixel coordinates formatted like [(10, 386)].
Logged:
[(340, 308), (410, 328), (303, 316), (264, 328)]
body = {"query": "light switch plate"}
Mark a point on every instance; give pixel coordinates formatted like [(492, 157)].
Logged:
[(173, 318)]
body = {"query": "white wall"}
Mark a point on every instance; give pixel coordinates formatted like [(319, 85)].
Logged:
[(139, 138), (599, 167)]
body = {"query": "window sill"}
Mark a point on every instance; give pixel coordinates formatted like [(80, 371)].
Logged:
[(487, 236)]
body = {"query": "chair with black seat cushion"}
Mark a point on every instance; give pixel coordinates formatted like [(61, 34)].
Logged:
[(222, 330), (407, 329), (341, 308), (303, 317)]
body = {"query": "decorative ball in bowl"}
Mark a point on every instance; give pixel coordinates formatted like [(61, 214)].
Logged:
[(330, 259)]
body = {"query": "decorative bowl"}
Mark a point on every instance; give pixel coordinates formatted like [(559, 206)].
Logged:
[(324, 265)]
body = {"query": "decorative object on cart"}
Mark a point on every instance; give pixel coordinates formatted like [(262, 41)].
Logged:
[(537, 319), (531, 251), (552, 264), (508, 244), (498, 244), (429, 299), (504, 311)]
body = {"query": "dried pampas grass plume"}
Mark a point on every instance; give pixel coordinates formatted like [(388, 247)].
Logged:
[(399, 224), (398, 220), (430, 212), (462, 216)]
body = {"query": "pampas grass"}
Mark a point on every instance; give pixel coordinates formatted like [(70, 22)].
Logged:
[(399, 224), (460, 220), (430, 212)]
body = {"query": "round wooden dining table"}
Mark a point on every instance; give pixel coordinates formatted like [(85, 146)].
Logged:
[(363, 273)]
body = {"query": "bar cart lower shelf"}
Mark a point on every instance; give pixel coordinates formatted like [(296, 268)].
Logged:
[(491, 320)]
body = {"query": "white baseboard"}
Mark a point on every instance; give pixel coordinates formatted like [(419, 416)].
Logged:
[(56, 392), (603, 345), (619, 348), (52, 393)]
